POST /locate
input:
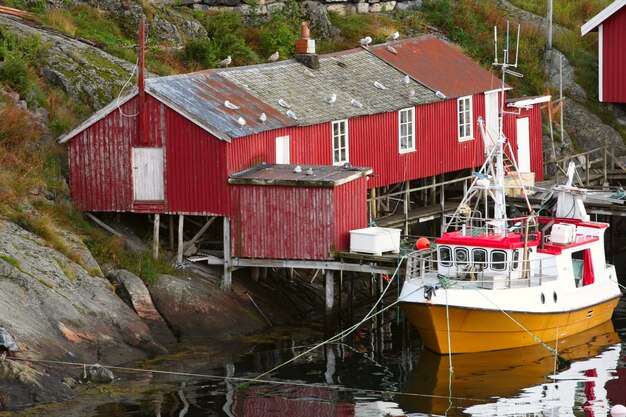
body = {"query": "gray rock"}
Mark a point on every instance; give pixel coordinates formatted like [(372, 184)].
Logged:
[(185, 305), (97, 374), (134, 293), (589, 131), (56, 314), (7, 343), (165, 31), (408, 5), (319, 22), (552, 61)]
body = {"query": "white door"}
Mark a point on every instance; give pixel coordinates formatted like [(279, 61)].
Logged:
[(148, 174), (282, 150), (491, 117), (523, 145)]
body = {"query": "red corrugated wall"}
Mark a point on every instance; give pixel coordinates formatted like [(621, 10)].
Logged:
[(614, 58), (536, 137), (99, 162), (295, 222), (196, 175), (373, 142)]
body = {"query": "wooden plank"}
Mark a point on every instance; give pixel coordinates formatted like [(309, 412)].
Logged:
[(286, 263), (103, 225), (16, 12), (200, 233)]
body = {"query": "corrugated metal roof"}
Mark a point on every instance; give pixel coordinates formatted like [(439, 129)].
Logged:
[(201, 97), (304, 176), (438, 66), (350, 75)]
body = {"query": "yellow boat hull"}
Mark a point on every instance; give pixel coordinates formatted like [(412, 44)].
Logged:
[(473, 330)]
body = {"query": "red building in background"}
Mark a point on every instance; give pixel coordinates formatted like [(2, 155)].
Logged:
[(610, 24)]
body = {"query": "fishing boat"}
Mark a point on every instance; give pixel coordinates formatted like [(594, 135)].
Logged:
[(494, 280)]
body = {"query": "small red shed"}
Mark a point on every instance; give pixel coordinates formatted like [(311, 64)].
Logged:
[(311, 207), (610, 24)]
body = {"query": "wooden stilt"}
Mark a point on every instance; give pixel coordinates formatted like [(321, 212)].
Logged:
[(227, 282), (407, 201), (330, 299), (254, 273), (373, 213), (170, 229), (199, 234), (155, 236), (181, 226)]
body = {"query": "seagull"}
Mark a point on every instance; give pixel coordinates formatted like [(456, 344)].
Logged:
[(356, 103), (406, 79), (291, 115), (230, 105), (273, 57), (263, 118), (308, 73), (331, 98), (309, 171), (394, 36), (284, 103), (392, 49), (411, 94), (440, 95), (241, 122), (297, 169), (379, 85), (226, 62), (366, 41)]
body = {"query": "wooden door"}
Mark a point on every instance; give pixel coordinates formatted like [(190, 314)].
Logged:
[(282, 150), (523, 144), (148, 174)]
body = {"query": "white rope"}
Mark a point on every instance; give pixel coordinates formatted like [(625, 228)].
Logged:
[(117, 100), (451, 370)]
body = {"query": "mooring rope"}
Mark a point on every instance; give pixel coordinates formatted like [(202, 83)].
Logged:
[(451, 370), (349, 330), (241, 379)]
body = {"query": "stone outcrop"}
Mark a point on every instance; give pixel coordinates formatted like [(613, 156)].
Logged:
[(57, 310), (131, 289), (196, 308), (553, 59)]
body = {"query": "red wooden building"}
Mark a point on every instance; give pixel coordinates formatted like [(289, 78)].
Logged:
[(610, 24), (408, 112)]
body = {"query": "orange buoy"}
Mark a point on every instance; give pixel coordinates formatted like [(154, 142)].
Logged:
[(422, 243)]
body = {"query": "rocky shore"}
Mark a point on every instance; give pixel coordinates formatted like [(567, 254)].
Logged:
[(59, 310)]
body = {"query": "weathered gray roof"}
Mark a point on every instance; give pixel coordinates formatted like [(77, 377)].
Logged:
[(349, 75), (304, 176), (201, 97)]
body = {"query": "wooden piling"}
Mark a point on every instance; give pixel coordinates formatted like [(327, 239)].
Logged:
[(155, 236), (227, 282), (181, 225)]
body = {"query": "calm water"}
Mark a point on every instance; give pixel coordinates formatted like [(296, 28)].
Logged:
[(373, 373)]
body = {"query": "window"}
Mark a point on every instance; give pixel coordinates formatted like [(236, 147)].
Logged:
[(480, 257), (462, 256), (465, 118), (340, 142), (445, 256), (406, 130), (498, 260), (515, 259)]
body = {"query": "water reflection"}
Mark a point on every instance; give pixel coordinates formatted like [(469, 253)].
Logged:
[(519, 381)]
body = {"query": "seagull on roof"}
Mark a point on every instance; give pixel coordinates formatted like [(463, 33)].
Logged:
[(411, 94), (394, 36), (356, 103), (241, 122), (331, 98), (379, 85), (273, 57), (308, 73), (392, 49), (226, 62), (291, 115), (440, 95), (297, 169), (263, 118), (406, 79), (230, 105), (366, 41), (283, 103)]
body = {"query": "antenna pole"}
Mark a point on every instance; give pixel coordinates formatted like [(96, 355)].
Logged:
[(549, 34)]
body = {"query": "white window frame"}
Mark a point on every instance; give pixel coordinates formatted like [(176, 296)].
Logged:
[(465, 128), (337, 139), (410, 136)]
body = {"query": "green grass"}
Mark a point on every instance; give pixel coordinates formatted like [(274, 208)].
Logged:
[(45, 283), (10, 260)]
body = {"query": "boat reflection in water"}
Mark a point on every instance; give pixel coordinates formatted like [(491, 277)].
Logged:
[(519, 381)]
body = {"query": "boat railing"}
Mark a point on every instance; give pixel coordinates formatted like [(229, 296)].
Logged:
[(477, 225), (500, 275)]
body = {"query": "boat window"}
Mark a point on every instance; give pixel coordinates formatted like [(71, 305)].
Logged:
[(445, 256), (461, 256), (480, 257), (515, 259), (498, 260)]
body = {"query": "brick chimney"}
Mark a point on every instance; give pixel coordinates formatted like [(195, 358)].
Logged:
[(305, 48)]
